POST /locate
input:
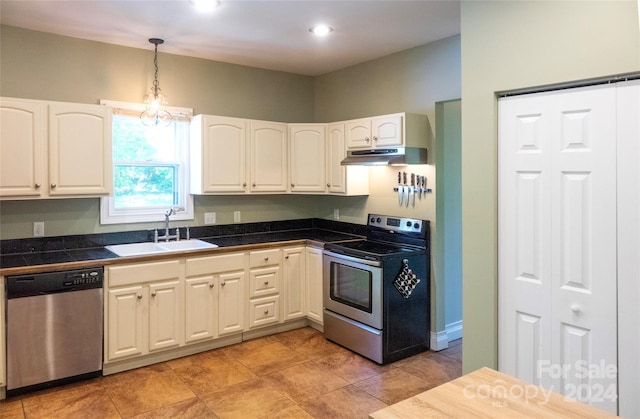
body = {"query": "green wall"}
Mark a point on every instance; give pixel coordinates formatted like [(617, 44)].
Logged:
[(508, 45)]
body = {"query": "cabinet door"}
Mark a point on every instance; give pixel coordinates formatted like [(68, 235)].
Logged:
[(165, 315), (201, 308), (2, 338), (387, 131), (307, 148), (358, 133), (126, 322), (294, 275), (314, 284), (219, 152), (336, 152), (264, 311), (268, 156), (80, 160), (23, 148), (231, 300)]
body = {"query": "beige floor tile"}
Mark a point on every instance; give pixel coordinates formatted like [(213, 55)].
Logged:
[(436, 369), (296, 337), (350, 366), (144, 394), (68, 391), (250, 399), (393, 386), (305, 380), (91, 405), (188, 409), (246, 347), (348, 402), (213, 375), (270, 358), (293, 412), (135, 374), (7, 405)]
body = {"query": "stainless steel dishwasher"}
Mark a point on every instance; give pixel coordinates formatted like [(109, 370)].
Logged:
[(54, 328)]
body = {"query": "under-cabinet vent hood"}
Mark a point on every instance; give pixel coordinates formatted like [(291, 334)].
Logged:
[(386, 156)]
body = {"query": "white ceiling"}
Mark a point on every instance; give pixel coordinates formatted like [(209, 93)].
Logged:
[(259, 33)]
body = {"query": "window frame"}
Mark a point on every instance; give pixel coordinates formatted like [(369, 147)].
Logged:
[(110, 215)]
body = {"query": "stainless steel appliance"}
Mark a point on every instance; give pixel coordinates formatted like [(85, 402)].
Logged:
[(376, 290), (54, 328)]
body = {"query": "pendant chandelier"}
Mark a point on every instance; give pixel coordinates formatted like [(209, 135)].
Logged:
[(155, 113)]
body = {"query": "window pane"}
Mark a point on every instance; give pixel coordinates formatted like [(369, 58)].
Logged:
[(133, 141), (144, 186)]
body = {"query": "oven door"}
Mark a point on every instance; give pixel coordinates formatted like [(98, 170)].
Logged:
[(352, 287)]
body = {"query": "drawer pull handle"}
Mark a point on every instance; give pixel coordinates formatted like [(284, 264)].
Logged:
[(266, 282), (266, 259), (266, 312)]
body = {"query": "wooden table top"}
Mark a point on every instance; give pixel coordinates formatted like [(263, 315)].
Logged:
[(486, 393)]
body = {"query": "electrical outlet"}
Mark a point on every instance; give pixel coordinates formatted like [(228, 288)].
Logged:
[(336, 214), (236, 216), (38, 229), (209, 218)]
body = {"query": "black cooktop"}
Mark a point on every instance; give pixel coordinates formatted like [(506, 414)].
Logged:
[(370, 249)]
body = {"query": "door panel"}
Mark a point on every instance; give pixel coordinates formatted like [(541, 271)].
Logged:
[(557, 224)]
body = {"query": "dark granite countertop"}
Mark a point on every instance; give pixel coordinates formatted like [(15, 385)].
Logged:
[(77, 251)]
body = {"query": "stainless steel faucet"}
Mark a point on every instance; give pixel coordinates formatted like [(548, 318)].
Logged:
[(167, 236)]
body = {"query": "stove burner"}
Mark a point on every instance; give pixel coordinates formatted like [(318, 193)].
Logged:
[(370, 248)]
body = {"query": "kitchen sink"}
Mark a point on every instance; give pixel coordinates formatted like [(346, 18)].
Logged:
[(140, 249)]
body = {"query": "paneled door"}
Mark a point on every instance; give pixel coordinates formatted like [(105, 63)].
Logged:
[(557, 242)]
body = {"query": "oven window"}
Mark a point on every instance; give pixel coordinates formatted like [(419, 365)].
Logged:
[(351, 286)]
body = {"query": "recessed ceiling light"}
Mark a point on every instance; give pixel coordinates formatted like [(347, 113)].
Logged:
[(321, 30), (205, 6)]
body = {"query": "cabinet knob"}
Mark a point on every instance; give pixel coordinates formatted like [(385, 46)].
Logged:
[(576, 308), (266, 312), (37, 185), (254, 184), (286, 257), (244, 185), (328, 185), (211, 285), (153, 294), (293, 185), (53, 186), (366, 139), (222, 284), (266, 259), (139, 296), (266, 282), (375, 138)]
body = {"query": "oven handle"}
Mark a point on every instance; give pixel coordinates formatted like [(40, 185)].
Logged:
[(375, 263)]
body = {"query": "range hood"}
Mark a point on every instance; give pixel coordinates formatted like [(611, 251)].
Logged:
[(386, 156)]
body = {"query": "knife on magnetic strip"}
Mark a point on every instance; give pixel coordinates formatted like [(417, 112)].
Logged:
[(406, 189), (413, 190), (400, 188)]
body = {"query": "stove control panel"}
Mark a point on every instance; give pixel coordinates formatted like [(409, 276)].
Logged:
[(399, 224)]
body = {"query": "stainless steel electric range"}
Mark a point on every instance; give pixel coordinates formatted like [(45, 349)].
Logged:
[(376, 290)]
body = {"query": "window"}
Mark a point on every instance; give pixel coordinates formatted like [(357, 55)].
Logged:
[(150, 169)]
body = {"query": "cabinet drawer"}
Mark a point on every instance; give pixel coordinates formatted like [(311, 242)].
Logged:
[(215, 264), (264, 281), (264, 311), (265, 257), (143, 272)]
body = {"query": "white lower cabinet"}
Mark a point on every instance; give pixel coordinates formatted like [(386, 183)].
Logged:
[(214, 297), (293, 275), (2, 336), (144, 308), (265, 268), (313, 300)]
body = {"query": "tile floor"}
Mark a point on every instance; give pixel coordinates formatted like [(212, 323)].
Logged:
[(295, 374)]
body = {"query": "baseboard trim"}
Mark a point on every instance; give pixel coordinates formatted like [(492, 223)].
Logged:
[(440, 340)]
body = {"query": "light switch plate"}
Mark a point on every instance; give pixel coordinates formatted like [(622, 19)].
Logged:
[(336, 214), (236, 216), (209, 218), (38, 229)]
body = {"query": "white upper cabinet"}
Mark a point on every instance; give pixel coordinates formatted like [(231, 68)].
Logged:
[(358, 133), (387, 130), (307, 145), (343, 180), (218, 154), (23, 148), (76, 138), (268, 156), (80, 159)]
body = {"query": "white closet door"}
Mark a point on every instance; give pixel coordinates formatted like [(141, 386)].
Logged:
[(629, 248), (557, 235)]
